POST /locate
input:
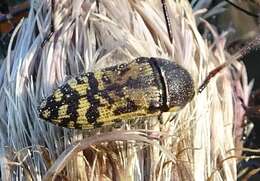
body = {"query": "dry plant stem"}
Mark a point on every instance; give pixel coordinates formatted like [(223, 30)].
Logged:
[(251, 173), (78, 146)]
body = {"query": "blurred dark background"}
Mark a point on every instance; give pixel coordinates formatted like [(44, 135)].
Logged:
[(252, 62), (11, 12)]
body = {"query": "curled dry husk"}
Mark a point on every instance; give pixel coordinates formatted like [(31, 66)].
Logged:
[(196, 144)]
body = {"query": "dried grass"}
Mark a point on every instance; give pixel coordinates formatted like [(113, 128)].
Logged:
[(198, 144)]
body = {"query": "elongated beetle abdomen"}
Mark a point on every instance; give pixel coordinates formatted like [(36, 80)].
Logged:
[(144, 87)]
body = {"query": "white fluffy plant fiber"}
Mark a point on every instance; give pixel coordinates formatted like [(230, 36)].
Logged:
[(195, 145)]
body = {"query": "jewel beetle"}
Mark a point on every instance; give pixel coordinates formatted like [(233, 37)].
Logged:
[(141, 88)]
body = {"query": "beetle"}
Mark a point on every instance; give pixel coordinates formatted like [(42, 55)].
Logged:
[(144, 87)]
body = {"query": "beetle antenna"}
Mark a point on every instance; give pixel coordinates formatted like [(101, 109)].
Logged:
[(167, 19), (210, 76), (254, 44)]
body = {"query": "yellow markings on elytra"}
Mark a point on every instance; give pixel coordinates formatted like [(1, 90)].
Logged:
[(57, 95), (46, 113), (101, 99), (98, 76), (174, 109), (105, 113), (83, 78), (72, 83), (62, 112), (107, 116), (80, 88), (83, 122), (83, 106), (83, 103), (70, 124)]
